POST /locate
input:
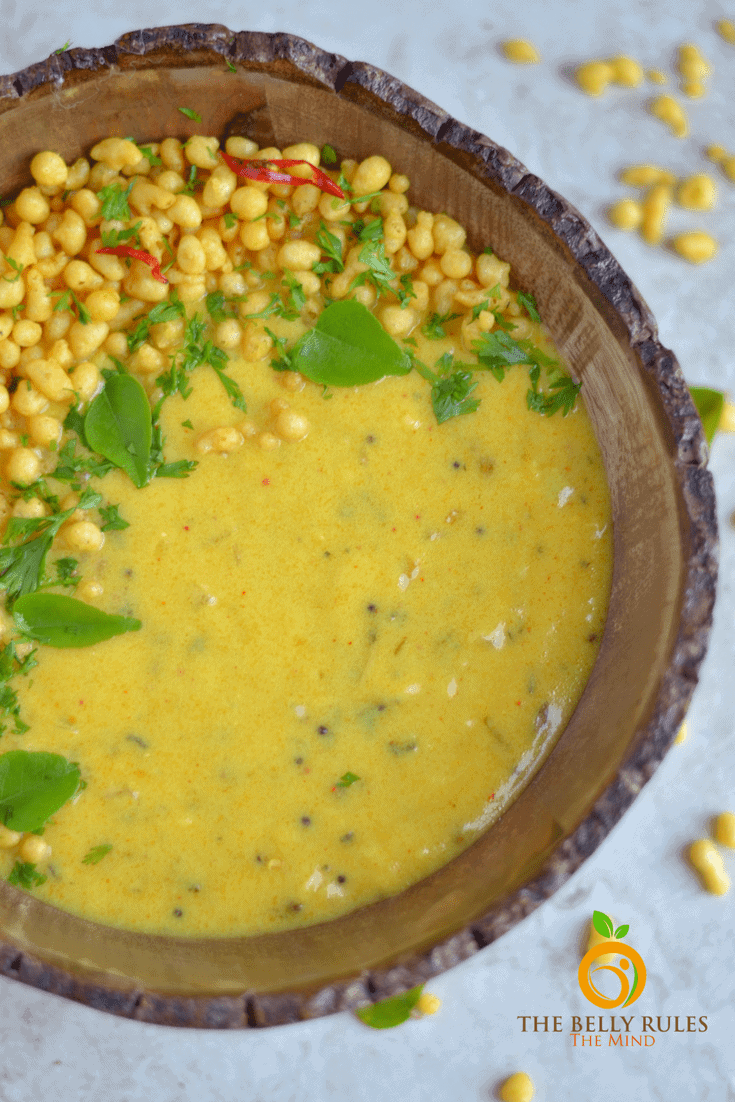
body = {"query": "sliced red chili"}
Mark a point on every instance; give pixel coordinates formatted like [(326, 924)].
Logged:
[(137, 254), (264, 173)]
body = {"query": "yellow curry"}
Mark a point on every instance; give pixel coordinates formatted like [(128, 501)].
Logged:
[(363, 623)]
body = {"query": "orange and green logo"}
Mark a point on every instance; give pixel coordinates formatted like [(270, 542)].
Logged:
[(631, 987)]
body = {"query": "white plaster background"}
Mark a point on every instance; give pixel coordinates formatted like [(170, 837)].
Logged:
[(50, 1048)]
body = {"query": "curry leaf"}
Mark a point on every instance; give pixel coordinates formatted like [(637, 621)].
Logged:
[(391, 1012), (348, 347), (61, 621), (710, 404), (33, 786), (118, 426)]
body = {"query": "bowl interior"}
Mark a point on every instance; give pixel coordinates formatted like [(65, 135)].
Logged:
[(481, 892)]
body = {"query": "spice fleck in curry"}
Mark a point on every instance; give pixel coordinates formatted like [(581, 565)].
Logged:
[(307, 538)]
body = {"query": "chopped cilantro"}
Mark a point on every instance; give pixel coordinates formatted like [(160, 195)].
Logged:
[(111, 238), (150, 156), (450, 397), (190, 114), (329, 157), (66, 573), (24, 875), (346, 780), (230, 219), (434, 327), (330, 244), (379, 272), (17, 268), (113, 521), (114, 201), (525, 298)]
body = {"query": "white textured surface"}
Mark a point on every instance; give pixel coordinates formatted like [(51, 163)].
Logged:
[(50, 1048)]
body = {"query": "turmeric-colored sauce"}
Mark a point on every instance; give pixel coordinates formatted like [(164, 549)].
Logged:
[(354, 651)]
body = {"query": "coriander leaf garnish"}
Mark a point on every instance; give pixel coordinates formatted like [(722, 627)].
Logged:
[(275, 306), (163, 312), (563, 398), (33, 786), (191, 182), (114, 201), (347, 779), (182, 468), (379, 272), (348, 347), (113, 522), (23, 873), (22, 565), (330, 244), (11, 666), (450, 397), (60, 621), (17, 268), (390, 1012), (95, 855), (150, 156), (434, 327), (66, 572), (497, 352), (525, 298), (61, 50), (296, 296), (231, 219), (118, 426), (111, 238), (329, 157), (190, 114)]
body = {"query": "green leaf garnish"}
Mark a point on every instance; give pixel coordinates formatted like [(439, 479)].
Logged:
[(23, 874), (434, 327), (190, 114), (230, 219), (118, 426), (11, 666), (329, 157), (61, 621), (525, 298), (22, 564), (96, 854), (66, 572), (114, 201), (710, 404), (347, 779), (348, 347), (451, 397), (33, 786), (113, 522), (390, 1012), (602, 923)]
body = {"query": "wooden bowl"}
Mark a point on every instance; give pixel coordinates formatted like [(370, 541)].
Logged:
[(284, 89)]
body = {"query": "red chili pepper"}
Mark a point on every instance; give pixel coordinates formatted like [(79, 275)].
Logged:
[(260, 171), (137, 254)]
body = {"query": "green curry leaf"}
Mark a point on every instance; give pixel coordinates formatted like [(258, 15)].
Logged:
[(61, 621), (33, 786), (348, 347), (391, 1012), (710, 404), (118, 426)]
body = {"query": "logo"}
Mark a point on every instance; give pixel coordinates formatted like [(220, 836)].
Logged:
[(630, 984)]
